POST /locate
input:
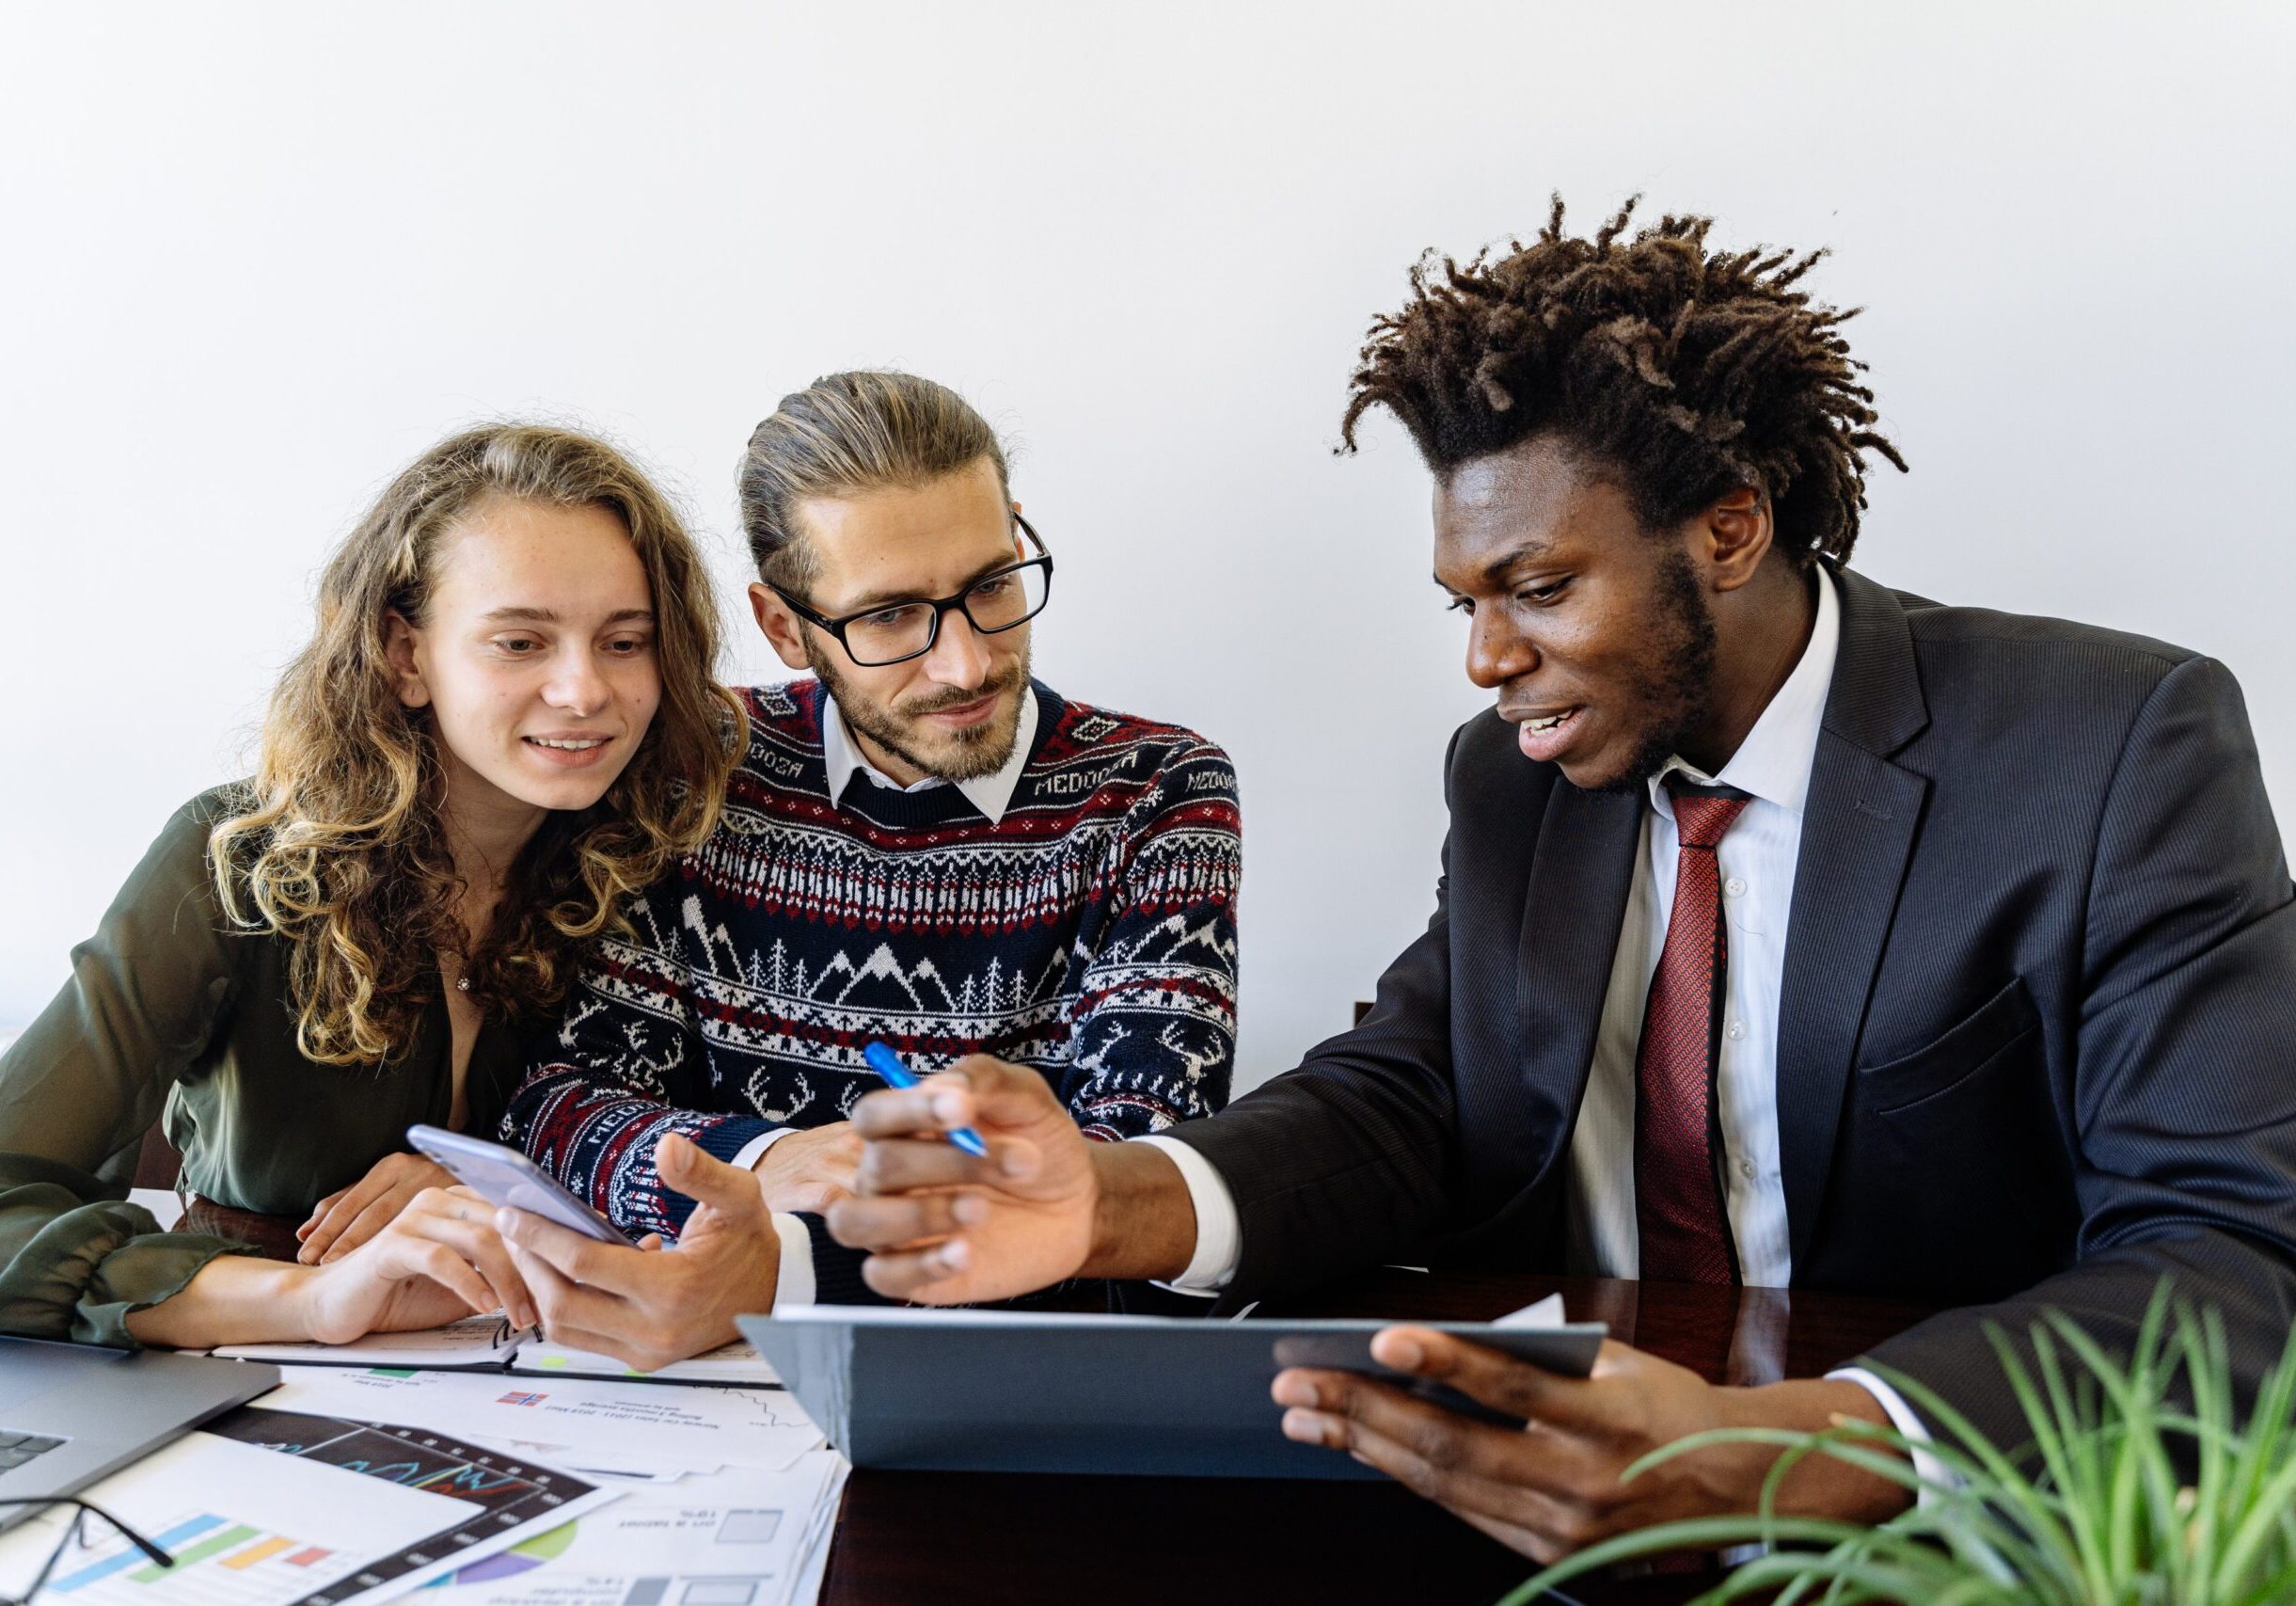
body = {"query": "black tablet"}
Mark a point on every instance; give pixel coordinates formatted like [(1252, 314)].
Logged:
[(1013, 1392)]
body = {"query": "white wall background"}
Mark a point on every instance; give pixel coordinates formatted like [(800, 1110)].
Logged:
[(252, 258)]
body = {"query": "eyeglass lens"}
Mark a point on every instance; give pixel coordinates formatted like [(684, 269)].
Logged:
[(76, 1537), (996, 603), (70, 1543)]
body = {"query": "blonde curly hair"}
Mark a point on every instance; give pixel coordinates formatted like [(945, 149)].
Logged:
[(341, 847)]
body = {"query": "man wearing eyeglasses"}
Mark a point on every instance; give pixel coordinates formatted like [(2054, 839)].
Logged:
[(924, 847)]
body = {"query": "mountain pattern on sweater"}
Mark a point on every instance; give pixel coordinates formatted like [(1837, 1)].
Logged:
[(1090, 933)]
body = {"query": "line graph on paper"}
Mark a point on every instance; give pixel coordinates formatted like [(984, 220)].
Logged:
[(508, 1494)]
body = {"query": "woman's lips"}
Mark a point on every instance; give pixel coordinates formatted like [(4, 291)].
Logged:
[(572, 756)]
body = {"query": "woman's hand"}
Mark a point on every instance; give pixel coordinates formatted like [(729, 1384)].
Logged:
[(435, 1262), (350, 1216)]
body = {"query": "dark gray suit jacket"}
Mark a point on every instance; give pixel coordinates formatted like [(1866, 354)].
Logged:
[(2038, 1036)]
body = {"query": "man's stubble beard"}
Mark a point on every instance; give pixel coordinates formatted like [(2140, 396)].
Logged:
[(1677, 682), (966, 754)]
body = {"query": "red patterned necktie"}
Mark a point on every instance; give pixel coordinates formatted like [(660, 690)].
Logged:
[(1679, 1213)]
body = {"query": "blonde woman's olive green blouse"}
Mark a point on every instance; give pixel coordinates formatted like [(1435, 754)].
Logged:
[(173, 1014)]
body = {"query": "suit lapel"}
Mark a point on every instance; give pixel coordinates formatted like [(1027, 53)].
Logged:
[(1572, 910), (1858, 826)]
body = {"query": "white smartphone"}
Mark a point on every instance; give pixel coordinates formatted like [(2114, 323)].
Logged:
[(501, 1175)]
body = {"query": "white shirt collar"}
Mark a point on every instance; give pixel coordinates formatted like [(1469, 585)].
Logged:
[(1774, 761), (990, 794)]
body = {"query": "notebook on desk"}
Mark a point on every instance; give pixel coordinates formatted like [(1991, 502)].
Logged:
[(489, 1344), (1013, 1392)]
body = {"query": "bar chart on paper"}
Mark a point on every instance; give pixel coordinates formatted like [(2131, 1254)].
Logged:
[(242, 1526), (218, 1562)]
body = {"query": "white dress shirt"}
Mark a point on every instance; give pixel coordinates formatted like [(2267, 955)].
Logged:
[(1756, 858), (991, 794)]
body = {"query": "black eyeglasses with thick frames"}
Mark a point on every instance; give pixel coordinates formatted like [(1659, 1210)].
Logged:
[(894, 632), (72, 1538)]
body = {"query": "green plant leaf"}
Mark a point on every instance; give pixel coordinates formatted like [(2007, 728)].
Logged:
[(2100, 1518), (1691, 1533)]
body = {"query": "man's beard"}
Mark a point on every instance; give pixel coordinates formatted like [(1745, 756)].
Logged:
[(964, 754), (1676, 684)]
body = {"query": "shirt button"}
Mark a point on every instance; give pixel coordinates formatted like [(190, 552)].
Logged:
[(1737, 1028), (1734, 887), (1745, 1169)]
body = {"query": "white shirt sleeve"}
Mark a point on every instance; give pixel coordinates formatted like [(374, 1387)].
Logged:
[(751, 1151), (794, 1283), (1219, 1232), (1903, 1418)]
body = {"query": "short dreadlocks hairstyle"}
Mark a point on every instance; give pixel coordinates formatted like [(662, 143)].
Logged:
[(1683, 373)]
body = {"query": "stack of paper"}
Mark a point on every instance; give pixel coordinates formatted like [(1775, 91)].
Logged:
[(585, 1425), (738, 1538)]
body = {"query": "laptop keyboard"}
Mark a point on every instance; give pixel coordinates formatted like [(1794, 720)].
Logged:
[(18, 1448)]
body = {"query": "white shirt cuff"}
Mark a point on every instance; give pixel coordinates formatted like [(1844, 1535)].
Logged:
[(1219, 1234), (1933, 1473), (794, 1283), (746, 1158)]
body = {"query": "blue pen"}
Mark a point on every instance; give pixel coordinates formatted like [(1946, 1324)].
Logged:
[(887, 1064)]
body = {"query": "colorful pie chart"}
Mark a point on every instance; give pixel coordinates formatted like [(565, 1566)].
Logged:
[(524, 1556)]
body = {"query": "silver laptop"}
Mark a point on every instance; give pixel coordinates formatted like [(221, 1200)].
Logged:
[(69, 1413)]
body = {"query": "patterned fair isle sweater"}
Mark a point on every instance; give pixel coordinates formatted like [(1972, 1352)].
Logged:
[(1090, 934)]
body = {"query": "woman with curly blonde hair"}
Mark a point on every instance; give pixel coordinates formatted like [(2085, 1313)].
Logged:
[(506, 721)]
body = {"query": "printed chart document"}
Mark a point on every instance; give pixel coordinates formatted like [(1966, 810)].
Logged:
[(618, 1467), (489, 1344), (815, 1570), (740, 1537), (245, 1527), (511, 1497), (695, 1428)]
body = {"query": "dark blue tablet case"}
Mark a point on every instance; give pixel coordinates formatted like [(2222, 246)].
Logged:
[(1157, 1395)]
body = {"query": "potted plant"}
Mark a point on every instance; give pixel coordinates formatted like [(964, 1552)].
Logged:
[(2139, 1486)]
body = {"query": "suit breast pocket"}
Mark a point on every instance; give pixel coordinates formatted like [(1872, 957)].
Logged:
[(1998, 1029)]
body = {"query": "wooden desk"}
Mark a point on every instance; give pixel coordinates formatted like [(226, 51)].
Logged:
[(912, 1538), (925, 1538)]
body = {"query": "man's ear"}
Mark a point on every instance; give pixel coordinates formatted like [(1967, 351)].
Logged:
[(398, 650), (783, 630), (1735, 533)]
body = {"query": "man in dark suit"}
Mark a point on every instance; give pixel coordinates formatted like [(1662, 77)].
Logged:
[(1793, 931)]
